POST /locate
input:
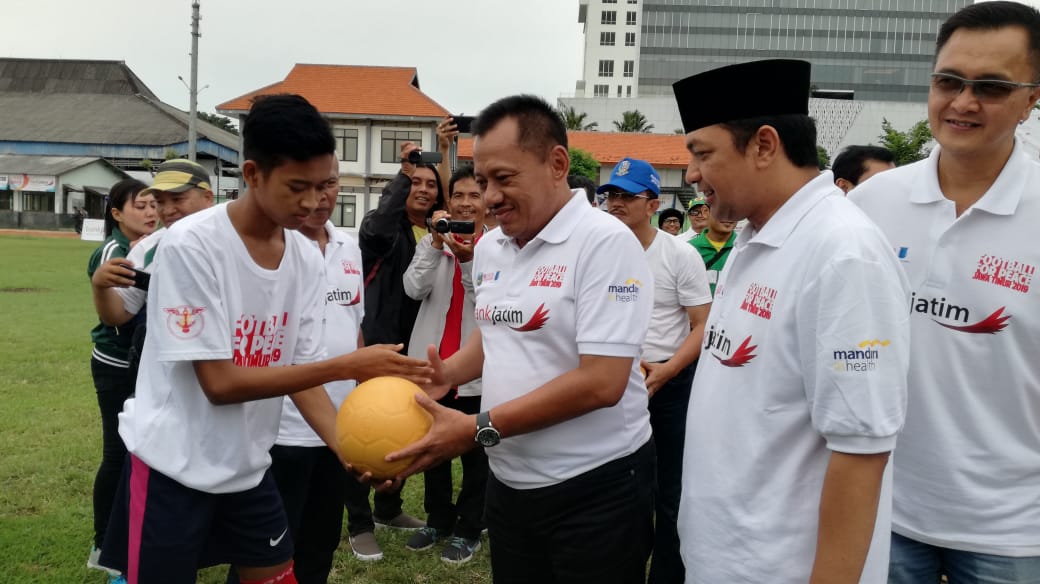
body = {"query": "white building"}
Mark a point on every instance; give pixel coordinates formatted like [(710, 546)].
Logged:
[(611, 59)]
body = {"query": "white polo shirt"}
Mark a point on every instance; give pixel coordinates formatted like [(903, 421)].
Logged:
[(208, 300), (804, 353), (580, 287), (344, 309), (680, 281), (967, 472)]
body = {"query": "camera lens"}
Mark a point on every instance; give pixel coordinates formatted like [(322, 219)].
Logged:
[(442, 225)]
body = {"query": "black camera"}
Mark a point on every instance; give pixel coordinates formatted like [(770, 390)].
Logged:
[(141, 279), (419, 156), (463, 123), (445, 225)]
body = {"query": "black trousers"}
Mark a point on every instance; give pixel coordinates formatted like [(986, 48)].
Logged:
[(596, 528), (464, 517), (312, 483), (113, 386), (359, 512), (668, 418)]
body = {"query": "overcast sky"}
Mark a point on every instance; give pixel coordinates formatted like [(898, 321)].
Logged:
[(468, 52)]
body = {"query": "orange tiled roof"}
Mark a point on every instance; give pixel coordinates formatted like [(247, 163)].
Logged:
[(608, 148), (350, 89)]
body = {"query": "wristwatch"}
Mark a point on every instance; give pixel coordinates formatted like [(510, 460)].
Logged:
[(487, 435)]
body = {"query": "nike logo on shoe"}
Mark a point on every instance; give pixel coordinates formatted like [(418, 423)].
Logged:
[(277, 540)]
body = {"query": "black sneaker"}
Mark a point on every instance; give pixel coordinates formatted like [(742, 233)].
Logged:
[(403, 521), (423, 539), (460, 550)]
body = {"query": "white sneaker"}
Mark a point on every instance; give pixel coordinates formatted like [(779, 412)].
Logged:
[(94, 561)]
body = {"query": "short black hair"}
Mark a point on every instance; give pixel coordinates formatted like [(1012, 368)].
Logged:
[(284, 127), (540, 126), (995, 15), (671, 212), (119, 195), (580, 181), (849, 165), (463, 172), (797, 135)]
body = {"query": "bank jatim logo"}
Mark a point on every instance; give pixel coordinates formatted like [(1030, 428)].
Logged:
[(513, 316), (718, 341)]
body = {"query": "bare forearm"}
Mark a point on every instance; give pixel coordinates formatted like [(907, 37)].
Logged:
[(848, 512), (109, 306), (227, 383), (316, 407), (468, 363), (689, 351)]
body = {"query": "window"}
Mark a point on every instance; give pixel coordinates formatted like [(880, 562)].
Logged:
[(610, 1), (346, 143), (39, 202), (629, 91), (344, 213), (391, 143), (630, 68), (630, 39), (6, 200), (630, 18), (606, 68), (600, 90), (633, 1), (606, 39), (608, 17)]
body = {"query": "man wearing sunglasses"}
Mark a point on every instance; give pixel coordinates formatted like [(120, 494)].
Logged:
[(673, 343), (963, 221)]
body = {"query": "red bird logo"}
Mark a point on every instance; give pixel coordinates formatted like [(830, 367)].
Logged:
[(538, 320), (184, 316), (741, 356), (992, 324)]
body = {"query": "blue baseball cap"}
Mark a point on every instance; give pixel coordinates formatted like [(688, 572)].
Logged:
[(633, 176)]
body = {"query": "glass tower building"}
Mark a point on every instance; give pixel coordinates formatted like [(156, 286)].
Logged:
[(874, 49)]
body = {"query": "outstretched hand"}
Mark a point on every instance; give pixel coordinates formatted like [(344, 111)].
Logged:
[(451, 433), (439, 383), (380, 360)]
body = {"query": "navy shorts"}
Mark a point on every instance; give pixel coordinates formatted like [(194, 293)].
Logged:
[(162, 531)]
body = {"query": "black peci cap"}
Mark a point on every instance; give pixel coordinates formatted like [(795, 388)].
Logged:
[(747, 90)]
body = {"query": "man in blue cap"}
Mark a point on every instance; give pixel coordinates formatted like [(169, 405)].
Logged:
[(801, 393), (673, 343)]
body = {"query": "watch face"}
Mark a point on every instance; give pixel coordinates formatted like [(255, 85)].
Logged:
[(487, 437)]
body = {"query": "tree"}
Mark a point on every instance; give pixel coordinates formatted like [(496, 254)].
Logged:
[(573, 120), (908, 146), (822, 158), (221, 122), (584, 164), (633, 121)]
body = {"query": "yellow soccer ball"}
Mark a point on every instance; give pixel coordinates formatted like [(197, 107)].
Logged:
[(379, 417)]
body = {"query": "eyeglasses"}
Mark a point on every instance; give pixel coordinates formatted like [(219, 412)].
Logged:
[(670, 220), (625, 197), (701, 210), (985, 90)]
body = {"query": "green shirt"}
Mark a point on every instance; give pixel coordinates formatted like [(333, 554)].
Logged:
[(111, 344), (717, 258)]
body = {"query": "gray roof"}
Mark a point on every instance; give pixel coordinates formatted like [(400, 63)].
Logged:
[(89, 102), (70, 76), (49, 165)]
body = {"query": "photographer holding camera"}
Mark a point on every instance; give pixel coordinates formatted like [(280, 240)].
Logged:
[(387, 237), (440, 277)]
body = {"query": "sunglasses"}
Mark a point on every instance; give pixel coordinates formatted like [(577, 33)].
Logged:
[(985, 90), (625, 197)]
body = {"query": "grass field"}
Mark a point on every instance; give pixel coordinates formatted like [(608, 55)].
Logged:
[(50, 433)]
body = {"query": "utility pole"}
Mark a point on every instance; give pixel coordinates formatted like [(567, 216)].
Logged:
[(193, 89)]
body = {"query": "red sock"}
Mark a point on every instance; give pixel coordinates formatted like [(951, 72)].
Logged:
[(286, 577)]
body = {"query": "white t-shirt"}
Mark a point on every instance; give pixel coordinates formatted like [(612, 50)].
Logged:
[(967, 471), (679, 282), (134, 298), (580, 287), (344, 309), (805, 352), (208, 300)]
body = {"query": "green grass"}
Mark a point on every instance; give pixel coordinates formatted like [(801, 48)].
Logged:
[(50, 434)]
